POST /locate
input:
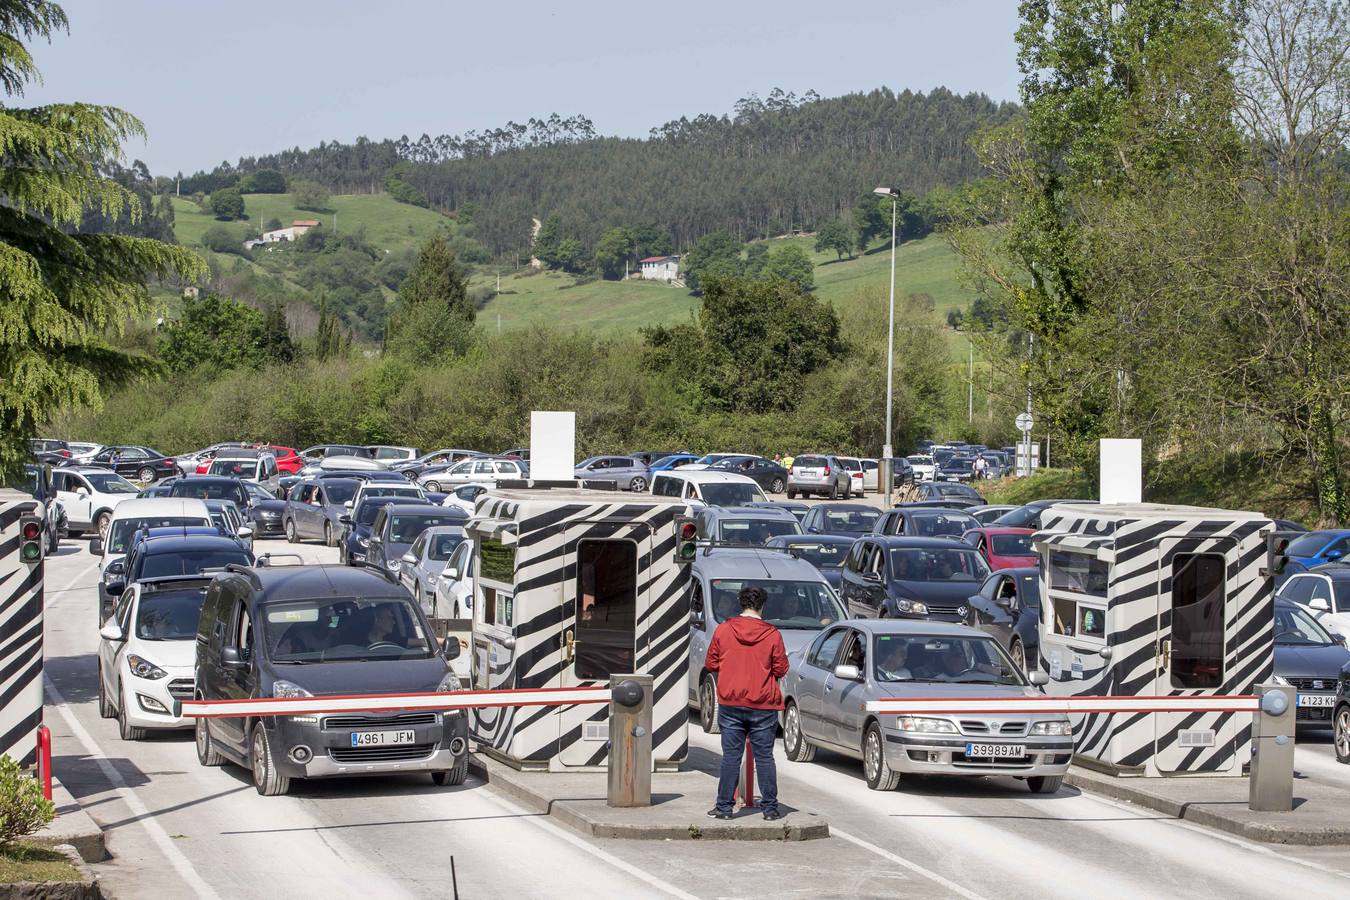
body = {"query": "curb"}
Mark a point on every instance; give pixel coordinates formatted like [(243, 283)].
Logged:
[(72, 826), (595, 825), (87, 888), (1197, 813)]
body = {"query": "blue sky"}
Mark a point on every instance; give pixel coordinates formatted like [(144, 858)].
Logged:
[(214, 80)]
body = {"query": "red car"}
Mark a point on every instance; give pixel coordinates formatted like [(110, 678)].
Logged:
[(288, 461), (1004, 548)]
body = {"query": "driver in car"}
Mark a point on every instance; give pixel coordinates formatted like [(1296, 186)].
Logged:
[(891, 665), (382, 626), (953, 662)]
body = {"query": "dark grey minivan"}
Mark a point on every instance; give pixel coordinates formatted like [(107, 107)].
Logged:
[(303, 631)]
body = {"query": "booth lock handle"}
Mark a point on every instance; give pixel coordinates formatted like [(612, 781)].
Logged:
[(1164, 655), (569, 646)]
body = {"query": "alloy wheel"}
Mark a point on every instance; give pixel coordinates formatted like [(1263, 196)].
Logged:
[(872, 756), (1019, 656), (792, 729), (1342, 738), (776, 487), (639, 485), (258, 758)]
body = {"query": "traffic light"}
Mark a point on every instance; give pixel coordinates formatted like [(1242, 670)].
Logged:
[(30, 546), (686, 537)]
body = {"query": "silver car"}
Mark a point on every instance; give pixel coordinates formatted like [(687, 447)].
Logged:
[(824, 476), (314, 509), (627, 473), (424, 561), (829, 683), (801, 603)]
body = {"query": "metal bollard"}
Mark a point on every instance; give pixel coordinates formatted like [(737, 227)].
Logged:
[(1271, 781), (630, 740), (745, 788)]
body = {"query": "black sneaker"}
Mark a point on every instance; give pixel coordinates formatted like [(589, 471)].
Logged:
[(718, 814), (772, 815)]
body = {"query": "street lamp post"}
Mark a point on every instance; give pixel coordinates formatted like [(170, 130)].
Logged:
[(887, 451)]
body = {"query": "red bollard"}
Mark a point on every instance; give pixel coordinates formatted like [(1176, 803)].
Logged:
[(44, 759), (747, 785)]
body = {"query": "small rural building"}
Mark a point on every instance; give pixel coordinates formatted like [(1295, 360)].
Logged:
[(290, 233), (660, 268)]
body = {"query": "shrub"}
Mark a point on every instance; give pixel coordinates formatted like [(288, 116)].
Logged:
[(23, 809)]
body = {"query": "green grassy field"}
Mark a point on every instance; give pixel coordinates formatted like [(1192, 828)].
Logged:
[(388, 224)]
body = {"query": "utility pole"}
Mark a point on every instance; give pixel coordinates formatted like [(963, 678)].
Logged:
[(970, 402), (887, 451)]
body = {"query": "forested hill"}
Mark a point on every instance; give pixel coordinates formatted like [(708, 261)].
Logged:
[(773, 164)]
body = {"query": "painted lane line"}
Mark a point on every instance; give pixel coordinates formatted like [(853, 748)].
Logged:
[(907, 864)]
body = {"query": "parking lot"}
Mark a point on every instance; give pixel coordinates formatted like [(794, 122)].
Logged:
[(179, 829)]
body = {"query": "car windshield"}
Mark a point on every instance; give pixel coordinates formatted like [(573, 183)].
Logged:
[(1011, 545), (848, 521), (206, 490), (391, 490), (792, 605), (1309, 544), (368, 510), (123, 529), (951, 489), (347, 629), (937, 564), (1018, 518), (257, 493), (940, 457), (936, 524), (1294, 626), (404, 528), (756, 531), (822, 556), (169, 615), (110, 483), (1341, 589), (191, 562), (341, 490), (731, 493), (442, 545), (923, 658), (669, 460), (920, 460)]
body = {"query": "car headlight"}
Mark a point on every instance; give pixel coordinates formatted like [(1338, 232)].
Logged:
[(925, 723), (282, 689), (1281, 681), (268, 514), (450, 682), (144, 668), (912, 606), (1061, 728), (393, 565), (363, 543)]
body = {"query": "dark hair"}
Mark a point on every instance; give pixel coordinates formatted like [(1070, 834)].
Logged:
[(753, 598)]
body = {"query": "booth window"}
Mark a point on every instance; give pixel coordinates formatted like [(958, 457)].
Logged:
[(1078, 573), (498, 561), (606, 608), (1078, 583), (1197, 620), (497, 607)]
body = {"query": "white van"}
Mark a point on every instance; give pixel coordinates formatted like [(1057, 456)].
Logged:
[(131, 516), (707, 487)]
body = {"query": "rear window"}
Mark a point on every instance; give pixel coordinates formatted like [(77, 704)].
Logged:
[(1309, 544), (756, 531), (209, 490), (939, 524), (849, 520), (404, 529), (822, 556), (169, 615), (122, 529), (852, 465), (1011, 545), (192, 562), (731, 493), (810, 462)]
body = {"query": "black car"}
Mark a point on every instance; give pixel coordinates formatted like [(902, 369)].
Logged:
[(300, 631), (397, 525), (1007, 607), (1309, 658), (949, 490), (264, 511), (354, 542), (824, 551), (140, 463), (170, 552), (769, 475), (1029, 515), (845, 519), (958, 467), (924, 521), (908, 577)]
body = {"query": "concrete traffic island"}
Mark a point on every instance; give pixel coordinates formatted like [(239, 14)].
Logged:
[(73, 827), (1318, 816), (680, 802)]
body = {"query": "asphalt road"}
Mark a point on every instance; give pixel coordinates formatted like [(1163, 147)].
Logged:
[(178, 830)]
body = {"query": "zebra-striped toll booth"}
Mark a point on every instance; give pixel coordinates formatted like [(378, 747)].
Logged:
[(572, 586), (20, 633), (1143, 600)]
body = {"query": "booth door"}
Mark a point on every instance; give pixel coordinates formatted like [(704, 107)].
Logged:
[(601, 638), (1194, 609)]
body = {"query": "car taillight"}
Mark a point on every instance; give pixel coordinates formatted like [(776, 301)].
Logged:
[(827, 470), (63, 453)]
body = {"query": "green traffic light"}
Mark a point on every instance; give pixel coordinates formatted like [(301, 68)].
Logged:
[(687, 551), (31, 552)]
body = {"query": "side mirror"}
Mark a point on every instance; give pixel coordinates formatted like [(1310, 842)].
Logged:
[(245, 531), (452, 573), (813, 530), (116, 588), (233, 658), (117, 568), (1003, 601), (112, 632), (1040, 679), (874, 577), (83, 491), (1320, 604), (410, 559), (345, 519), (96, 546), (1333, 555), (450, 648), (847, 673), (1337, 637), (348, 504)]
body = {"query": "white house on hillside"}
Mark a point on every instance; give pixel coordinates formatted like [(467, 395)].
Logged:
[(290, 233), (660, 268)]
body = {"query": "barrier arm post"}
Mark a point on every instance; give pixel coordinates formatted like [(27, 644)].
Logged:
[(746, 788), (44, 759), (630, 741), (1270, 783)]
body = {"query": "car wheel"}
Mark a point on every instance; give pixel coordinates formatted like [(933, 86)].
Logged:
[(433, 486), (795, 744), (638, 485), (207, 754), (878, 773), (792, 495), (291, 536), (1018, 654), (328, 534), (776, 486), (102, 522), (453, 776), (1045, 784), (1342, 735), (105, 707), (417, 594), (146, 474), (848, 490), (707, 705), (834, 491), (266, 779), (126, 730)]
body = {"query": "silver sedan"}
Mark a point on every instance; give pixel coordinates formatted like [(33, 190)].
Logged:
[(829, 683)]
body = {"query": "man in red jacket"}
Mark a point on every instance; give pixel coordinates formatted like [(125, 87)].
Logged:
[(748, 656)]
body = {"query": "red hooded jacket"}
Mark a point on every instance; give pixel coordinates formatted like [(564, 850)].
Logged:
[(749, 657)]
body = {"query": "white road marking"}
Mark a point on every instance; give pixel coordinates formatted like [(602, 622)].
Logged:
[(905, 863)]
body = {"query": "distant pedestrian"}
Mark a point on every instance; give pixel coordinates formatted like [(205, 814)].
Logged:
[(748, 657), (981, 467)]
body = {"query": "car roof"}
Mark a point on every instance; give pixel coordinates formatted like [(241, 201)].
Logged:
[(788, 540), (754, 562), (758, 512), (915, 626), (991, 530), (705, 476), (445, 529), (421, 506), (903, 541), (155, 544), (847, 505), (1337, 571), (316, 581), (150, 506), (207, 479)]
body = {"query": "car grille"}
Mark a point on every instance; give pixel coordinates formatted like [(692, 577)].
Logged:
[(405, 753), (961, 762), (181, 688), (1004, 729), (402, 720), (1306, 684)]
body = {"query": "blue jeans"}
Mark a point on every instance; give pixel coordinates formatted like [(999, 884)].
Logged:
[(760, 725)]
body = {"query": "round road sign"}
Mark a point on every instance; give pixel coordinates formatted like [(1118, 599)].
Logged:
[(1024, 421)]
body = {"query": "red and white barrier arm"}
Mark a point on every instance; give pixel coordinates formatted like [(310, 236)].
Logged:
[(349, 703), (1020, 705)]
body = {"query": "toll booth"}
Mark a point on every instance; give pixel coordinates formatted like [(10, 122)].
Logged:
[(21, 570), (1152, 600), (572, 586)]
